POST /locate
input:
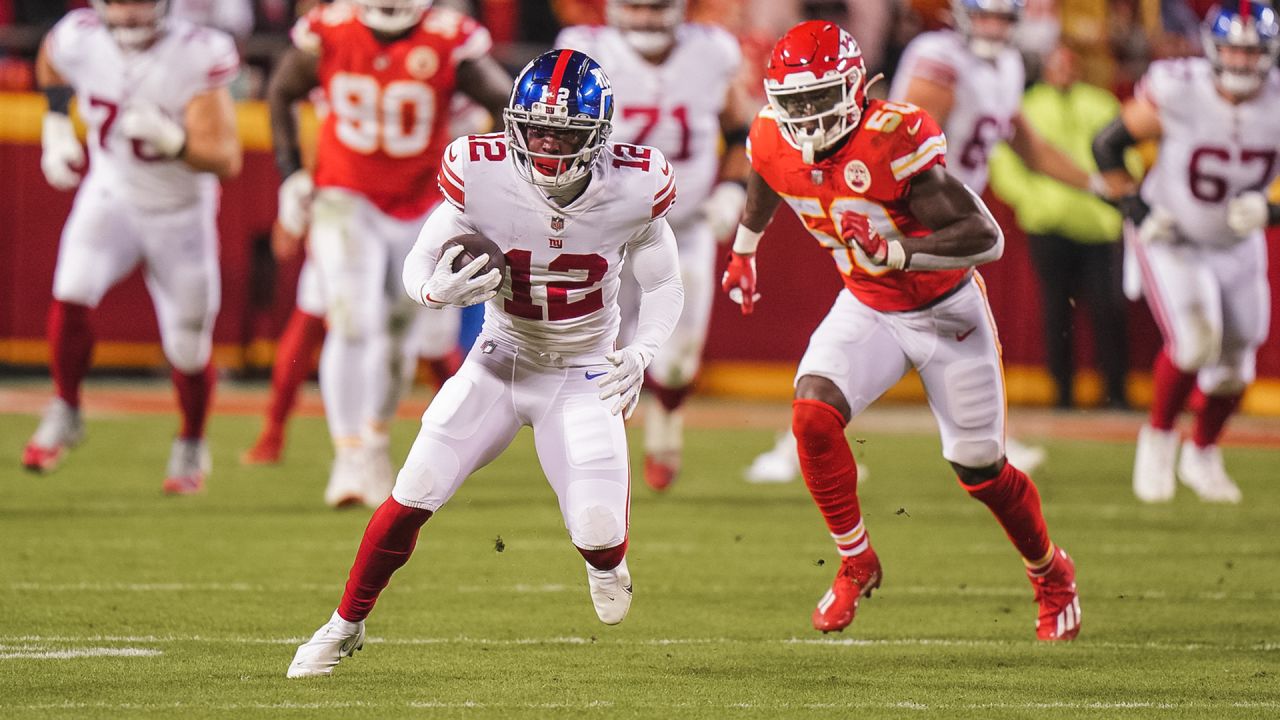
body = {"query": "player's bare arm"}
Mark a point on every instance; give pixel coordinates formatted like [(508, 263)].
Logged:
[(964, 233), (739, 278), (1043, 157), (933, 97), (294, 78), (482, 79), (212, 143)]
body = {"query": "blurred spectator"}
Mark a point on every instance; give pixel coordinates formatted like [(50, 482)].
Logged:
[(234, 17), (1073, 235)]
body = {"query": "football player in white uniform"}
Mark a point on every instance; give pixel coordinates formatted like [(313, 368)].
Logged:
[(674, 89), (153, 91), (1199, 240), (970, 80), (566, 208)]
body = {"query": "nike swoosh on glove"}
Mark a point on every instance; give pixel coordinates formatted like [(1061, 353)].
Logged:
[(625, 379), (463, 288)]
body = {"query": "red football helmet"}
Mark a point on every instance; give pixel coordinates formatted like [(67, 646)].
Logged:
[(817, 85)]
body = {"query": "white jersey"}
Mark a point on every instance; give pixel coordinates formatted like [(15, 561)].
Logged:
[(1210, 149), (560, 295), (674, 106), (987, 96), (185, 61)]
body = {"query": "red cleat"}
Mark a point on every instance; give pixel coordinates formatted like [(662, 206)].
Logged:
[(41, 459), (659, 475), (266, 451), (858, 576), (1059, 618)]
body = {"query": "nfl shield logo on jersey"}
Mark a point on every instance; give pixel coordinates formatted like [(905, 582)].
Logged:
[(557, 223), (857, 176)]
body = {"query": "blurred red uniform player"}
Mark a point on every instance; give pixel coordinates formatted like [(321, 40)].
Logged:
[(389, 69), (867, 178)]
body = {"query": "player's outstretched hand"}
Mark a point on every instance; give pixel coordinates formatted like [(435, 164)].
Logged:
[(625, 379), (294, 202), (464, 287), (856, 228), (739, 281), (149, 124), (1247, 213), (61, 156), (1158, 228)]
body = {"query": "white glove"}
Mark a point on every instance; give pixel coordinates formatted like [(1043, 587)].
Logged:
[(1247, 213), (463, 288), (625, 379), (723, 208), (148, 123), (294, 198), (1159, 228), (61, 152)]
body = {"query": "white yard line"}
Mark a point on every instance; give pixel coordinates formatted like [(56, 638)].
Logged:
[(602, 704), (41, 653)]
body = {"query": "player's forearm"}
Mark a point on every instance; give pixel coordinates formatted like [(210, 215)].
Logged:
[(966, 243), (291, 82), (762, 202), (656, 267), (1109, 147), (1043, 157), (212, 140)]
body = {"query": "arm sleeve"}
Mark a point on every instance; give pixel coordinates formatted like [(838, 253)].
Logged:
[(445, 222), (223, 63), (656, 266)]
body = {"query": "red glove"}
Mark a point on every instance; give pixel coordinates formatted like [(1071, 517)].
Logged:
[(856, 228), (740, 281)]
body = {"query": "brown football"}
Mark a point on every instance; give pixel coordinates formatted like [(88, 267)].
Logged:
[(473, 246)]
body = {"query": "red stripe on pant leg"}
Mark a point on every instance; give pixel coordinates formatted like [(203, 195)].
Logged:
[(1155, 301), (195, 396), (71, 344), (1170, 389), (1015, 502), (606, 559), (1213, 416), (827, 464), (295, 360), (388, 542)]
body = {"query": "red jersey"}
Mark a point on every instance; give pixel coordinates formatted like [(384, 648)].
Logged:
[(388, 119), (870, 175)]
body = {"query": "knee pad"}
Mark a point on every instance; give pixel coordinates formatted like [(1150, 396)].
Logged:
[(974, 453), (432, 467), (596, 526), (973, 393), (188, 345), (1199, 343), (1230, 376)]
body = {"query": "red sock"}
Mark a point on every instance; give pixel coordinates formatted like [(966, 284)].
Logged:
[(670, 397), (71, 344), (1015, 502), (1171, 389), (443, 368), (606, 559), (195, 395), (387, 544), (1212, 418), (827, 465), (294, 362)]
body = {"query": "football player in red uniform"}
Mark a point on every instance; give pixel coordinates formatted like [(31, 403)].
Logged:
[(867, 178), (388, 69)]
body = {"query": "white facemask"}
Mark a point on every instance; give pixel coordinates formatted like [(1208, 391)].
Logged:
[(986, 48), (649, 42), (1239, 83)]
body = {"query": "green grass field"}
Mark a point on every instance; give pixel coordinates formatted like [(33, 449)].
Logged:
[(118, 602)]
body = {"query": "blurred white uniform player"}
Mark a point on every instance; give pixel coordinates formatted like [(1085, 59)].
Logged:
[(161, 123), (673, 86), (970, 80), (566, 209), (1201, 248)]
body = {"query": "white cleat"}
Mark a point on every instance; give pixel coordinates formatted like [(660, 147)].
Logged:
[(346, 479), (1153, 480), (1024, 457), (334, 640), (189, 465), (1201, 469), (610, 592), (61, 428), (781, 464)]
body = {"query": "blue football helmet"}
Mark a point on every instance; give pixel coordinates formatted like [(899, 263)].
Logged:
[(566, 91), (984, 46), (1249, 26)]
